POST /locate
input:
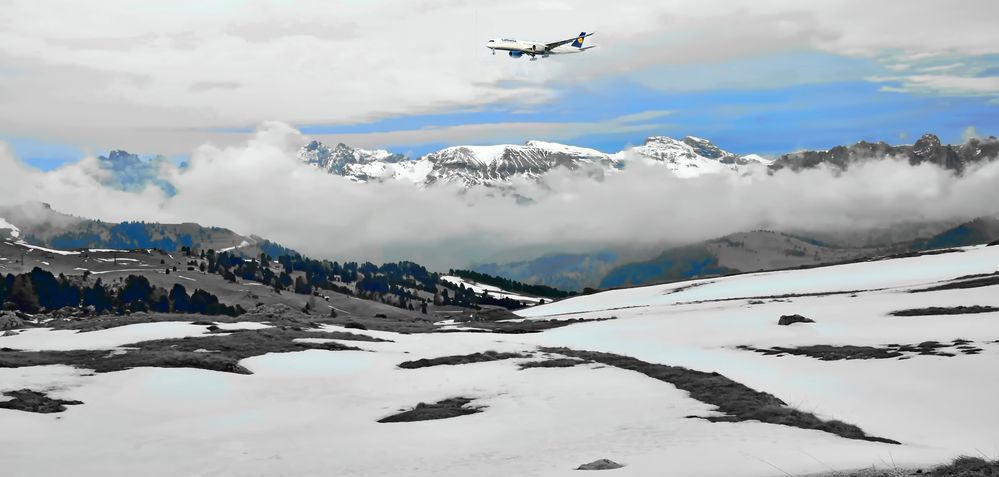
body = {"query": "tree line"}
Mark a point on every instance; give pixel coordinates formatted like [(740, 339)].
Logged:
[(510, 285), (39, 290)]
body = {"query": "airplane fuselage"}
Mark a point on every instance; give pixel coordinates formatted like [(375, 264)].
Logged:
[(533, 49)]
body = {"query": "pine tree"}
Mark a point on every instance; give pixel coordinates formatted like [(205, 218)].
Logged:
[(178, 296)]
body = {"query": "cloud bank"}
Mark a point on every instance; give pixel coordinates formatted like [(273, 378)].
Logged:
[(165, 76), (259, 187)]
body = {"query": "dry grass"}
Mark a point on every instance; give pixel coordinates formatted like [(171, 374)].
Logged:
[(33, 401), (961, 467), (939, 310), (460, 359), (736, 401), (212, 352), (448, 408)]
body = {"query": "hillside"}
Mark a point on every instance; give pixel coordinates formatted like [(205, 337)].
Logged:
[(665, 375), (95, 281), (767, 250), (572, 272), (39, 224)]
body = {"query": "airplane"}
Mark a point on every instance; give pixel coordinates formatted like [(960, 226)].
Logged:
[(517, 48)]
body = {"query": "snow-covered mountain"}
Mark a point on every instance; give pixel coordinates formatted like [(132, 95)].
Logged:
[(494, 165), (499, 164), (691, 156), (361, 165)]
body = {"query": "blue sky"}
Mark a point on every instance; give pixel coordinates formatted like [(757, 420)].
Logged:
[(769, 116), (763, 121), (778, 77)]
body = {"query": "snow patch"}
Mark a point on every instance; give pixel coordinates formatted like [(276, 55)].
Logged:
[(243, 325), (44, 249), (493, 291), (14, 231), (242, 244), (47, 339)]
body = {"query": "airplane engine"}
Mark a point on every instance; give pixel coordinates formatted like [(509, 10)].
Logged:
[(516, 54)]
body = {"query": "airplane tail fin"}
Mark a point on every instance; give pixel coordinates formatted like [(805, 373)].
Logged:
[(579, 40)]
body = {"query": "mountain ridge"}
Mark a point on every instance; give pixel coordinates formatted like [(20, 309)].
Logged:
[(500, 165), (491, 165)]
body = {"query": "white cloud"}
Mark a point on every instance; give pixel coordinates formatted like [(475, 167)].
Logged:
[(946, 84), (493, 133), (152, 76), (259, 187)]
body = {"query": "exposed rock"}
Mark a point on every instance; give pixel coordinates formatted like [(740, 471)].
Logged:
[(791, 319), (601, 464), (993, 243), (927, 149), (10, 321), (65, 312)]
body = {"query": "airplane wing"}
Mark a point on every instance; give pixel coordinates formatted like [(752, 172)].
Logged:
[(577, 39)]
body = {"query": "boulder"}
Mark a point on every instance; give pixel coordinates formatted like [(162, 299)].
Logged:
[(64, 312), (601, 464), (792, 319), (10, 321)]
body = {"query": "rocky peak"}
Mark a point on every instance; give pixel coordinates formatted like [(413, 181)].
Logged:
[(660, 140), (704, 148), (927, 148), (929, 140), (926, 145)]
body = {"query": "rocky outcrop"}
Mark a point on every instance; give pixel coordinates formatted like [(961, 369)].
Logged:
[(792, 319), (10, 321), (927, 149), (600, 464)]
